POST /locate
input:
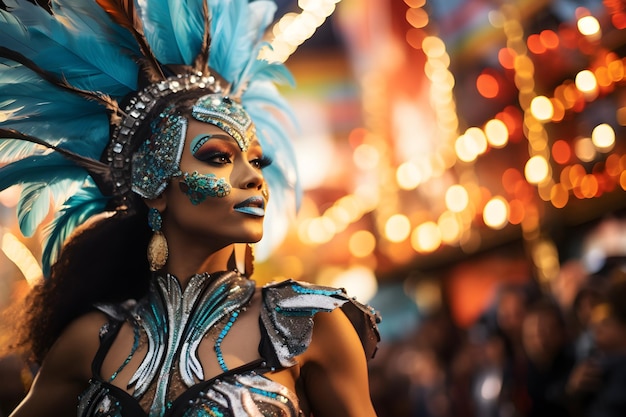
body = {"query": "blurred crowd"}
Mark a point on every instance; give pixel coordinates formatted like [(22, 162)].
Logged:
[(533, 352)]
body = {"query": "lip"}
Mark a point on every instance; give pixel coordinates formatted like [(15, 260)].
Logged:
[(254, 206)]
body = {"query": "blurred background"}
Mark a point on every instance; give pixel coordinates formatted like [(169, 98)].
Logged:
[(464, 172)]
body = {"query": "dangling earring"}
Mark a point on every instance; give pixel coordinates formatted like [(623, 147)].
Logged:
[(249, 260), (157, 248)]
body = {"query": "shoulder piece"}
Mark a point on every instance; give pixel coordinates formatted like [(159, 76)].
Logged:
[(117, 311), (287, 319)]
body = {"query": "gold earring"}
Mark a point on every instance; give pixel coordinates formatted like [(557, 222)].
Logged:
[(157, 248)]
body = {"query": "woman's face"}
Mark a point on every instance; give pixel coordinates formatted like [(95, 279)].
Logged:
[(221, 197)]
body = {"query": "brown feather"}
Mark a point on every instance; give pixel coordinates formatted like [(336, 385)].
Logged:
[(99, 171), (102, 99), (201, 62), (124, 14)]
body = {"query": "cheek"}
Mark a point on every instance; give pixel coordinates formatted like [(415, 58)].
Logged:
[(199, 187)]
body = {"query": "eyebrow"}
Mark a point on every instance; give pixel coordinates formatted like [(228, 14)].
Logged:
[(223, 136), (227, 137)]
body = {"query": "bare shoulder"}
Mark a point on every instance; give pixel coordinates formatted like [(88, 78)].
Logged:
[(77, 345), (65, 371), (334, 337), (334, 369)]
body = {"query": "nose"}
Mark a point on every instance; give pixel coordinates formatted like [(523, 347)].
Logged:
[(249, 177)]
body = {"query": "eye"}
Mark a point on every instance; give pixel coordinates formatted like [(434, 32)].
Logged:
[(261, 162), (215, 158)]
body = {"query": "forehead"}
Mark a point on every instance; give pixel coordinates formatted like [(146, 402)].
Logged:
[(227, 114), (196, 127)]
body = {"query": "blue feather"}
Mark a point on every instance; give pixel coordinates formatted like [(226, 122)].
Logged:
[(171, 23), (87, 202), (38, 168), (70, 52), (47, 179), (80, 43), (33, 207)]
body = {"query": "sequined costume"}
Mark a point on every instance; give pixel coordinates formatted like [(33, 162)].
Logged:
[(175, 321)]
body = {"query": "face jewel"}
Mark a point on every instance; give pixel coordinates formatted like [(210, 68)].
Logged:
[(157, 159), (200, 186), (119, 153), (226, 114)]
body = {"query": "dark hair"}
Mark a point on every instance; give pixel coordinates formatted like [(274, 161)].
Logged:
[(616, 299), (105, 262), (547, 305)]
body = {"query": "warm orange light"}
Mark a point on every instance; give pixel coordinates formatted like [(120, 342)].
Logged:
[(602, 75), (559, 195), (535, 45), (415, 37), (516, 211), (558, 110), (576, 174), (565, 177), (621, 116), (589, 186), (356, 136), (549, 39), (417, 17), (506, 57), (513, 122), (618, 20), (415, 3), (487, 85), (612, 165), (561, 152), (510, 178)]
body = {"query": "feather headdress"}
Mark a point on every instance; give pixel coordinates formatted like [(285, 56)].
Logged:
[(66, 71)]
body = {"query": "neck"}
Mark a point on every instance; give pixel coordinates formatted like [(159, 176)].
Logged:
[(184, 266)]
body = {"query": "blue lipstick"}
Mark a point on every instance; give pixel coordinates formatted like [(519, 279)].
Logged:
[(254, 206)]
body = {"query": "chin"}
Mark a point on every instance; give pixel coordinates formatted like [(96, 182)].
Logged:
[(253, 237)]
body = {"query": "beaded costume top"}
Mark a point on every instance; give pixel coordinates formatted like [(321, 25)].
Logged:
[(172, 322)]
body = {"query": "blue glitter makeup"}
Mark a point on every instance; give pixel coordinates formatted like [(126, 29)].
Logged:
[(228, 115), (198, 141), (200, 186)]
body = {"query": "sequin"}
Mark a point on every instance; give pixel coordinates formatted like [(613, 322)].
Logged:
[(119, 153), (228, 115), (175, 321), (200, 186)]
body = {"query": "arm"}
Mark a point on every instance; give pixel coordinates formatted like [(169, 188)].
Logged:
[(334, 370), (64, 372)]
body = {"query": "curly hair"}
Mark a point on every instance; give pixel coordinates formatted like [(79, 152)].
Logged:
[(104, 262)]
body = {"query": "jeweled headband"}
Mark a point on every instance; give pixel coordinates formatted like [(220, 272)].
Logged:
[(226, 114), (67, 70), (147, 169)]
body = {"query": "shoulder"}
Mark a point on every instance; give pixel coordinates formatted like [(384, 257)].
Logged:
[(74, 350), (334, 338), (289, 318), (65, 370)]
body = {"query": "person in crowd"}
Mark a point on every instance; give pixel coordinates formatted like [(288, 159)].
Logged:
[(512, 305), (597, 384), (587, 298), (551, 357), (143, 135)]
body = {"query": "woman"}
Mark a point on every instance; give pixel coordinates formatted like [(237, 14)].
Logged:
[(149, 309)]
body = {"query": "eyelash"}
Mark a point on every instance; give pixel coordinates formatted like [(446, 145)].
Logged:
[(222, 158), (262, 162), (216, 158)]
